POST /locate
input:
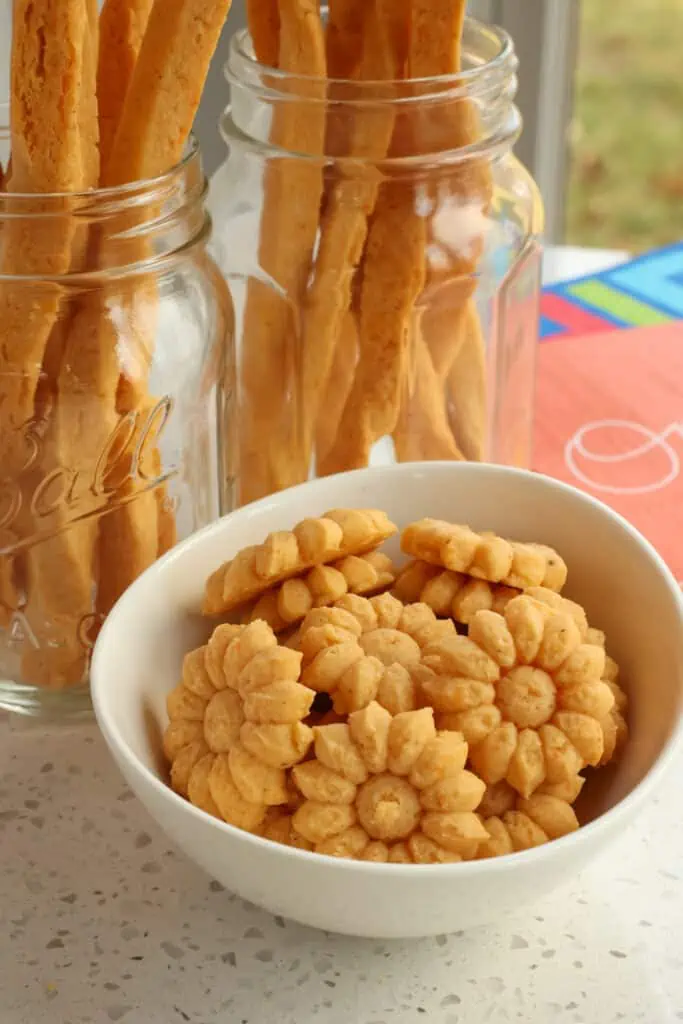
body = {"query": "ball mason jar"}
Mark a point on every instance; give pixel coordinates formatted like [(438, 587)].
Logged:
[(381, 244), (116, 335)]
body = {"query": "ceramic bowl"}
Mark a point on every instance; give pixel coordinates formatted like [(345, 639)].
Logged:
[(613, 571)]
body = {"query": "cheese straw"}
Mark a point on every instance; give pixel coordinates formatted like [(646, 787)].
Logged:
[(450, 325), (337, 389), (292, 191), (47, 83), (59, 567), (466, 394), (393, 279), (344, 36), (159, 108), (157, 115), (122, 27), (263, 18), (350, 203)]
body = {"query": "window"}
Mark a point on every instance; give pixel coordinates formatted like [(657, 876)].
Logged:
[(545, 34)]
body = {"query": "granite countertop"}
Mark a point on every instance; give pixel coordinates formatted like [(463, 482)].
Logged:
[(102, 921)]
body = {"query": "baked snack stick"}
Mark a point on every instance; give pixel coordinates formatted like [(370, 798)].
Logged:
[(292, 191), (163, 96), (90, 378), (62, 568), (8, 593), (89, 143), (337, 389), (46, 79), (466, 391), (390, 320), (263, 19), (393, 279), (160, 103), (58, 568), (48, 52), (89, 147), (141, 527), (157, 115), (450, 323), (122, 27), (46, 385), (423, 430), (344, 228), (344, 36)]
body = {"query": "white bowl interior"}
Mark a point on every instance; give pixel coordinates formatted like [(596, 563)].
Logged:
[(623, 584)]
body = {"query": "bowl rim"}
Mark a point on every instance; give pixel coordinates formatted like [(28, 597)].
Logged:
[(625, 808)]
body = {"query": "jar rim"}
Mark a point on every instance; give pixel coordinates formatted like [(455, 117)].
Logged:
[(503, 58), (115, 193)]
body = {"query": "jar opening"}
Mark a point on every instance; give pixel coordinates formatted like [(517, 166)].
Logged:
[(482, 95), (137, 228), (488, 51), (147, 188)]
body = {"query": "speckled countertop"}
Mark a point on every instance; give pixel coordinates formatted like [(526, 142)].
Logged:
[(100, 921)]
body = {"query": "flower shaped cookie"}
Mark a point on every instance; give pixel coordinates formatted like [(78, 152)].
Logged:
[(614, 726), (525, 691), (450, 594), (484, 556), (533, 822), (363, 650), (389, 788), (236, 724), (501, 797), (290, 602), (256, 569)]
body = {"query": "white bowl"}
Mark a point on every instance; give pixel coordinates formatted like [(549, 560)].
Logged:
[(624, 585)]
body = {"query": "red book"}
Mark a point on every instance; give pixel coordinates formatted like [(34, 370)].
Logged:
[(609, 420)]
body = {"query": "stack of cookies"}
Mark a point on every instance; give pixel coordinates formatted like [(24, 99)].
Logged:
[(445, 711)]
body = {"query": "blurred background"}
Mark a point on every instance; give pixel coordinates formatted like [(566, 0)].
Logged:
[(601, 90), (626, 182)]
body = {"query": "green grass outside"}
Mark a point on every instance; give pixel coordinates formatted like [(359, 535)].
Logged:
[(626, 187)]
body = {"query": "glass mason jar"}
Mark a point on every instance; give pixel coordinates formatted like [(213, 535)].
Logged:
[(381, 243), (115, 388)]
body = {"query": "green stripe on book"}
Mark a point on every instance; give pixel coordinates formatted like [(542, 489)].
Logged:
[(623, 307)]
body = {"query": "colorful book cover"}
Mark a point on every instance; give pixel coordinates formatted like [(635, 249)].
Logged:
[(646, 292), (609, 415)]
